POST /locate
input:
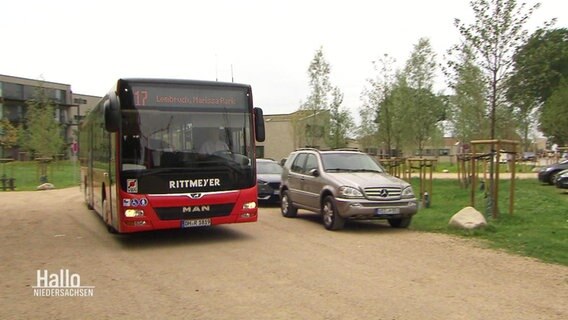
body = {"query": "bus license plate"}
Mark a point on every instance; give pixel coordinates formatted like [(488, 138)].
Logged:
[(195, 223), (387, 211)]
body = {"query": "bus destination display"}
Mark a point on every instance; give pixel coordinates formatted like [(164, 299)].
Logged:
[(145, 96)]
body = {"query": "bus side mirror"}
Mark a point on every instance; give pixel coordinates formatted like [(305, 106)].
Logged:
[(111, 111), (259, 125)]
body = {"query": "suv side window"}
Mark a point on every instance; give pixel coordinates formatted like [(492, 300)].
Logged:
[(298, 164), (311, 163)]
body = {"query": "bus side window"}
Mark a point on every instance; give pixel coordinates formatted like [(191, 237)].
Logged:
[(132, 153), (131, 150)]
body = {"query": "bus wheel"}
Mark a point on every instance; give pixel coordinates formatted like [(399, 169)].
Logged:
[(87, 200), (108, 218)]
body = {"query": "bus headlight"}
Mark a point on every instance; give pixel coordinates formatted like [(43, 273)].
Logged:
[(249, 205), (131, 213)]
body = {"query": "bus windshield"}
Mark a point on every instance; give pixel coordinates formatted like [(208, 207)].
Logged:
[(176, 139)]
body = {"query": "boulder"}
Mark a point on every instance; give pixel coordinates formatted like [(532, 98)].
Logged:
[(45, 186), (468, 218)]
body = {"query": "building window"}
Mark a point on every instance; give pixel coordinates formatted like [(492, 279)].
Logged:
[(30, 92), (12, 91), (79, 101), (59, 94), (14, 111)]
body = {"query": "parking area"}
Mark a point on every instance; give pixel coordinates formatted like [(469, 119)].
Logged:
[(275, 268)]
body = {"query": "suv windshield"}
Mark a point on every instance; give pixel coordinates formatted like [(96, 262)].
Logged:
[(350, 162)]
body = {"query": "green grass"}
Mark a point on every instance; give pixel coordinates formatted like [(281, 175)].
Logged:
[(62, 174), (452, 167), (537, 228)]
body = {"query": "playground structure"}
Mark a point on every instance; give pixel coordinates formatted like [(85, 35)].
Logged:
[(424, 167), (479, 169), (469, 169), (394, 166), (403, 168)]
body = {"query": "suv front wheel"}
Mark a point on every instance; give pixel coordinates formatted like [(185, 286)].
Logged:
[(400, 222), (286, 207), (331, 218)]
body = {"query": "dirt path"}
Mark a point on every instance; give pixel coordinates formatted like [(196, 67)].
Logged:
[(276, 268)]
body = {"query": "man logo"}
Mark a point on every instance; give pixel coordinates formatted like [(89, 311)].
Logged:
[(196, 195), (196, 209)]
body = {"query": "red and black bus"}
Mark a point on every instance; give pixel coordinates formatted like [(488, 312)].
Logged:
[(142, 164)]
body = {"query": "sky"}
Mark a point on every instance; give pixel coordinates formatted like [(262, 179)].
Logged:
[(265, 43)]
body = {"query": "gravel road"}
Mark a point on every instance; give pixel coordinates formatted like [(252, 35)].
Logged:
[(276, 268)]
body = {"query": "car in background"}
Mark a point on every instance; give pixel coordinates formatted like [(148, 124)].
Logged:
[(344, 185), (549, 173), (268, 177), (528, 156), (562, 179)]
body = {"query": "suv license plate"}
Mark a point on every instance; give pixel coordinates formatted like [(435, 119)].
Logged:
[(195, 223), (387, 211)]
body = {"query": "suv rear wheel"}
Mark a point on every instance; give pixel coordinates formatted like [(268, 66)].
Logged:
[(331, 218), (286, 207)]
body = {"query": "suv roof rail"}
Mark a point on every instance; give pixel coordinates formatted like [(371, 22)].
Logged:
[(312, 149), (347, 149)]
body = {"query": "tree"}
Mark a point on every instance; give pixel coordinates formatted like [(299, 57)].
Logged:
[(42, 133), (340, 121), (467, 107), (320, 88), (425, 109), (393, 116), (554, 116), (493, 38), (375, 111), (8, 135), (540, 66)]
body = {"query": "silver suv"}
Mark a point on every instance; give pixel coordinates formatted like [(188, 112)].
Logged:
[(344, 185)]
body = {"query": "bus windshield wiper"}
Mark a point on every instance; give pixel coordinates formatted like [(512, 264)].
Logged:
[(152, 171)]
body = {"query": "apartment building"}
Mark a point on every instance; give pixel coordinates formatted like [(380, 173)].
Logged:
[(69, 107)]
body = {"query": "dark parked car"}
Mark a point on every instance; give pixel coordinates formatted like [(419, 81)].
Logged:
[(529, 156), (268, 177), (548, 174), (562, 179), (344, 185)]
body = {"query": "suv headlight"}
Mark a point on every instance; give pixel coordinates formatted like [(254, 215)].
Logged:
[(350, 192), (407, 192)]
